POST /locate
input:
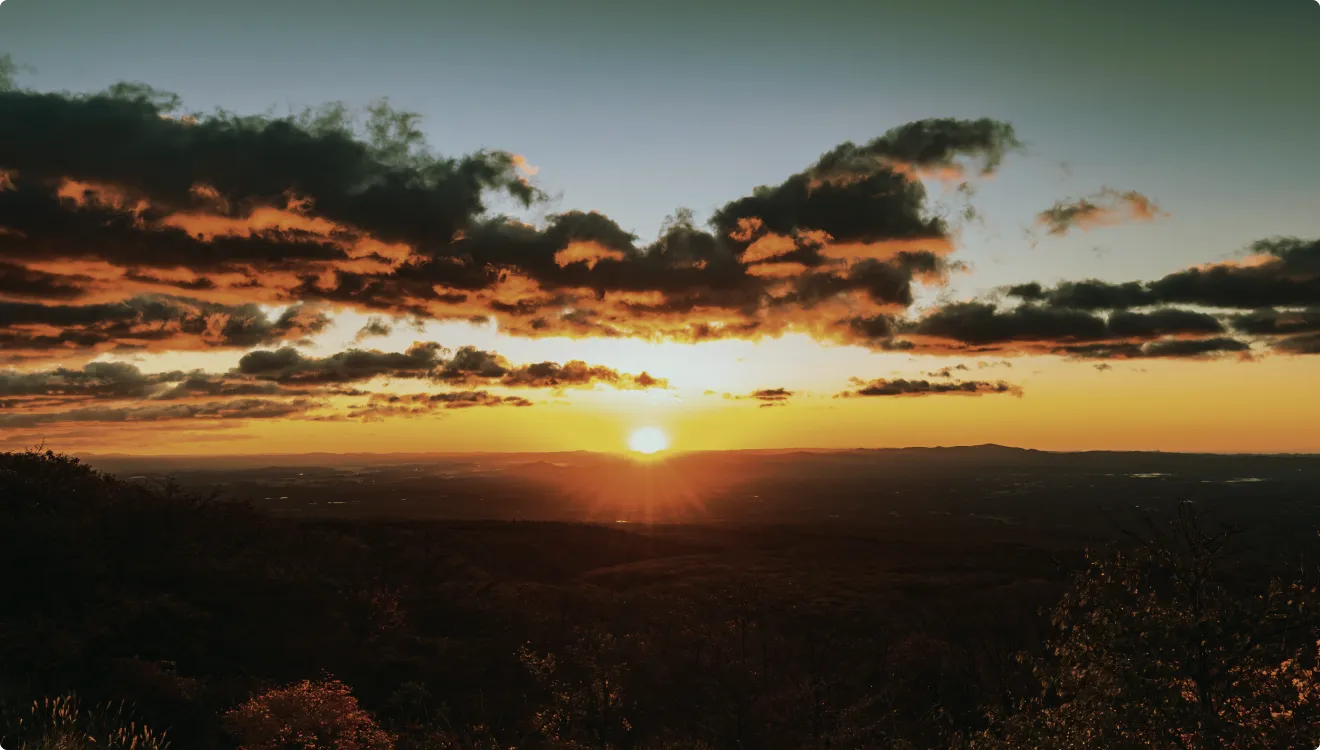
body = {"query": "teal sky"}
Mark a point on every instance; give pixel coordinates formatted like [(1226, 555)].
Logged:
[(635, 108)]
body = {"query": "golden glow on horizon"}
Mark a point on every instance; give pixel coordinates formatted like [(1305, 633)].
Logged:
[(1067, 405), (648, 441)]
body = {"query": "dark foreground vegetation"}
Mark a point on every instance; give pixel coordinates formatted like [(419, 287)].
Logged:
[(140, 618)]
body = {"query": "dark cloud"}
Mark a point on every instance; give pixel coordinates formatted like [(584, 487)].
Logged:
[(1283, 272), (901, 387), (468, 365), (30, 330), (1174, 348), (387, 184), (1278, 283), (1305, 344), (946, 372), (1085, 295), (1033, 328), (264, 379), (198, 384), (22, 283), (1163, 322), (472, 366), (117, 191), (979, 324), (576, 373), (121, 381), (126, 224), (95, 379), (933, 144), (381, 406), (470, 362), (1271, 322), (1105, 208), (158, 412), (289, 366), (375, 326), (771, 396)]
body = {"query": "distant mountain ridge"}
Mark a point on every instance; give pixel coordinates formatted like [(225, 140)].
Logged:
[(808, 459)]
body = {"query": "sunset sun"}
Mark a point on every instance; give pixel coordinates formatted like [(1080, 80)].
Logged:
[(648, 440)]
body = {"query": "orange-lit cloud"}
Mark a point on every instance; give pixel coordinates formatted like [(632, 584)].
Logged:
[(589, 253), (1106, 208), (343, 222)]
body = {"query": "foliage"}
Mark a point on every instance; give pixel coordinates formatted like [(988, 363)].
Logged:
[(1157, 647), (587, 706), (307, 715)]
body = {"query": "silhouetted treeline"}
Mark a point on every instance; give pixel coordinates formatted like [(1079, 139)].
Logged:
[(129, 612)]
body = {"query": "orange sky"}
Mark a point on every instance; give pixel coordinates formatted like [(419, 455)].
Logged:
[(1225, 406), (327, 281)]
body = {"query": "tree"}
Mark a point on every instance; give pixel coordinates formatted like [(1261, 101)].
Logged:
[(587, 707), (8, 73), (1159, 647), (307, 715)]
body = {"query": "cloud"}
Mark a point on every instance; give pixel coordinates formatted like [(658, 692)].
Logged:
[(35, 331), (96, 379), (22, 283), (429, 360), (901, 387), (933, 145), (375, 326), (115, 193), (378, 177), (120, 381), (1105, 208), (1279, 272), (982, 324), (289, 366), (470, 365), (236, 409), (381, 406), (1277, 322), (264, 379), (947, 372), (126, 224), (771, 396), (766, 396), (1172, 348), (1163, 322), (1307, 344), (577, 373), (1277, 285), (980, 328)]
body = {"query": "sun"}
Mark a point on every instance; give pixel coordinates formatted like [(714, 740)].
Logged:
[(648, 440)]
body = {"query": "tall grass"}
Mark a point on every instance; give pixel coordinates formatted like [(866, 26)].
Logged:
[(62, 724)]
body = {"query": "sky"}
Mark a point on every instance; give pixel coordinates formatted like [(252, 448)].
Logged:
[(1055, 225)]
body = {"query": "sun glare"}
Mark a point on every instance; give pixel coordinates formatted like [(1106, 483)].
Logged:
[(648, 440)]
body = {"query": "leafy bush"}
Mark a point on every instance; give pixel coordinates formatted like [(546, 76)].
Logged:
[(1160, 647), (307, 715)]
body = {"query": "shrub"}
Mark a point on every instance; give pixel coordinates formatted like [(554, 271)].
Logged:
[(1157, 648), (307, 715)]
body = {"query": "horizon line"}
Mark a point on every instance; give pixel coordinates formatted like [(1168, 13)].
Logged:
[(676, 453)]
